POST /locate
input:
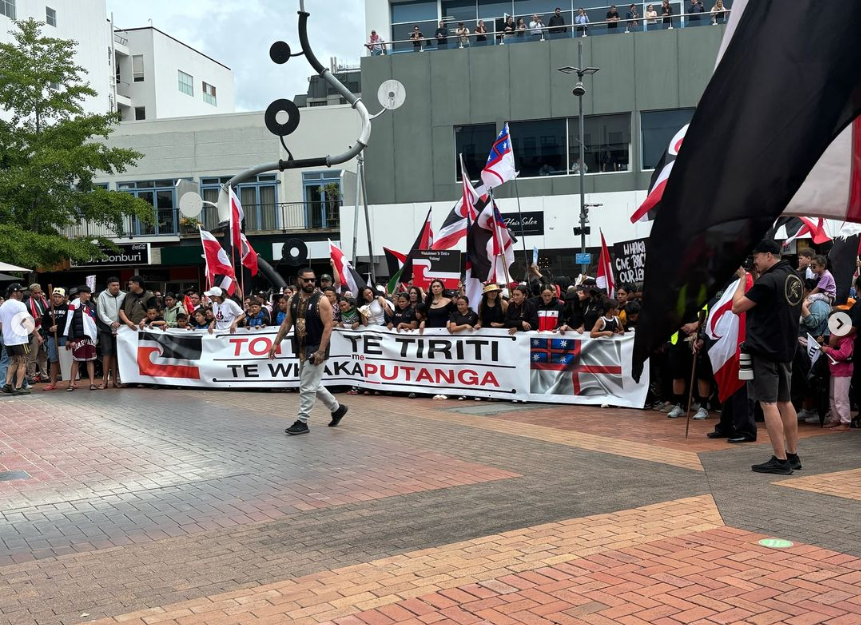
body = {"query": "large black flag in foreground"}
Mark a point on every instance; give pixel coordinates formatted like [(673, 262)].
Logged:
[(788, 83)]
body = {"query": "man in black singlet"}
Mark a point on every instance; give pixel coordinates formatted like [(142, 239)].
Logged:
[(311, 313)]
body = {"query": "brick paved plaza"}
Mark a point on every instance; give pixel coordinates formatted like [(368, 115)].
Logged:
[(191, 507)]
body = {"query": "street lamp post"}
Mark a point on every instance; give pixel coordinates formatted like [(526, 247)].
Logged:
[(579, 92)]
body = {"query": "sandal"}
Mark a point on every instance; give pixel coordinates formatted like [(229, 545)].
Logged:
[(101, 387), (49, 387), (71, 387), (93, 387)]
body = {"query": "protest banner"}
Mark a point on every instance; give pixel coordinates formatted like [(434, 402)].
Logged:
[(629, 261), (527, 366)]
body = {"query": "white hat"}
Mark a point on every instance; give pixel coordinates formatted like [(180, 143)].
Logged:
[(214, 292)]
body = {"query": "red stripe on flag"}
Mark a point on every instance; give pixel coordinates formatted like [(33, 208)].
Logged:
[(650, 202), (853, 210)]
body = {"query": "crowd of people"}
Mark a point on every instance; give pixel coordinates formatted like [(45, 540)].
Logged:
[(534, 28)]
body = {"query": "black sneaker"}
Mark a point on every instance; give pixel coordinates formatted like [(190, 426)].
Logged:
[(780, 467), (338, 415), (297, 428), (7, 388), (22, 391), (794, 461)]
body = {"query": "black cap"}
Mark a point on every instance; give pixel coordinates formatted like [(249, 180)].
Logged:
[(326, 276), (767, 246), (15, 286), (84, 289)]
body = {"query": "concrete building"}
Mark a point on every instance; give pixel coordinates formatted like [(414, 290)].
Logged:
[(159, 77), (208, 151), (458, 99), (85, 21)]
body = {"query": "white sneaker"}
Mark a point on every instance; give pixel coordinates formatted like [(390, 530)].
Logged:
[(814, 418), (702, 413), (676, 412), (805, 414)]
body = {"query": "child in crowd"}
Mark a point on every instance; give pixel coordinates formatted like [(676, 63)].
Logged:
[(182, 322), (350, 317), (153, 320), (839, 353), (633, 315), (826, 290), (609, 324), (198, 321)]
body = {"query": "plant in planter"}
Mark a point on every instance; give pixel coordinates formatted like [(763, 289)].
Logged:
[(189, 224)]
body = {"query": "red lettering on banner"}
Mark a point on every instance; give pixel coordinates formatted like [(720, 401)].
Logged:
[(443, 376), (489, 378), (424, 376), (392, 376), (238, 341), (252, 346), (370, 369), (409, 372), (467, 377)]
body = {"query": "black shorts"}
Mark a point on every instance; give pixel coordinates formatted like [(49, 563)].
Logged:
[(107, 343), (18, 350), (771, 381)]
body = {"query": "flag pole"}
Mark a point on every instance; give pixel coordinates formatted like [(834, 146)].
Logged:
[(700, 321), (522, 229)]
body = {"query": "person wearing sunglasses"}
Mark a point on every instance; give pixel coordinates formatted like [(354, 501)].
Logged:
[(311, 313)]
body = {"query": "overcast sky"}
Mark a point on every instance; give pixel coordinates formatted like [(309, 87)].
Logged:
[(238, 34)]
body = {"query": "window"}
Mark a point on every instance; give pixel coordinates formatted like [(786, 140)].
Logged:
[(50, 16), (138, 67), (459, 10), (54, 86), (186, 83), (474, 143), (322, 198), (209, 94), (140, 113), (7, 8), (607, 142), (539, 147), (415, 11), (160, 194), (259, 201), (657, 129)]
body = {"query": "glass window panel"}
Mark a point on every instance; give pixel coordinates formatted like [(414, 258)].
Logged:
[(125, 186), (267, 207), (494, 8), (658, 128), (544, 8), (474, 143), (459, 10), (7, 8), (413, 11), (186, 83), (266, 177), (143, 228), (248, 198), (50, 16), (539, 147), (146, 184), (209, 214), (607, 143), (165, 214)]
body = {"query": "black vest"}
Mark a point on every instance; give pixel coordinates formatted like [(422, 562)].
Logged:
[(313, 325)]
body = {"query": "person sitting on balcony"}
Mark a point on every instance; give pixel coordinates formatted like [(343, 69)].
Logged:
[(612, 19), (632, 16), (417, 38), (536, 26), (462, 33), (582, 21), (481, 33), (441, 35), (376, 44), (557, 23)]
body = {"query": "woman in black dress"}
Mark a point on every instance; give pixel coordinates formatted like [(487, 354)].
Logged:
[(491, 308), (439, 307)]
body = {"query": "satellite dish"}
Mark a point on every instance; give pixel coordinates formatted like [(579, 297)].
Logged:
[(190, 204), (294, 252), (391, 94)]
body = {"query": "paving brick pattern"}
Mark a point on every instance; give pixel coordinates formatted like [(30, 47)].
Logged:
[(846, 484), (189, 506)]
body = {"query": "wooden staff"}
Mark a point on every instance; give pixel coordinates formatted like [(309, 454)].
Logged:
[(701, 317), (53, 319)]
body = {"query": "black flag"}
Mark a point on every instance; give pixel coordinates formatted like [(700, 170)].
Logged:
[(843, 258), (787, 85)]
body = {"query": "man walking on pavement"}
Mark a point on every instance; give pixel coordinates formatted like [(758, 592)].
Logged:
[(311, 313)]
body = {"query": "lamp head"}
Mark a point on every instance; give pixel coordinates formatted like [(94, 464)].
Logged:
[(579, 90)]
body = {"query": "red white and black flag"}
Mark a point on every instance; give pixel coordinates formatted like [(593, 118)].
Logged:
[(424, 241), (797, 227), (660, 176), (769, 113)]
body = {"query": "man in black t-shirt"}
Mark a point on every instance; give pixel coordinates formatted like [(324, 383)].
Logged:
[(612, 18), (773, 306), (441, 35)]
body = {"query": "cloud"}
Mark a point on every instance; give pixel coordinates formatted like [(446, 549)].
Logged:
[(239, 35)]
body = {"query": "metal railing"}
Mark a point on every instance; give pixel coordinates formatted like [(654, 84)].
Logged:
[(280, 217), (123, 41), (545, 33)]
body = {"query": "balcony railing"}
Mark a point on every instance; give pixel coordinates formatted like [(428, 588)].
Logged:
[(123, 41), (259, 218), (429, 42)]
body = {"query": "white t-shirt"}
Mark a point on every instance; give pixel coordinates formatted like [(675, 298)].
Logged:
[(17, 322), (225, 314)]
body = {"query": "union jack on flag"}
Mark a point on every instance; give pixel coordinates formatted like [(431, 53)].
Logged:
[(500, 163), (575, 367)]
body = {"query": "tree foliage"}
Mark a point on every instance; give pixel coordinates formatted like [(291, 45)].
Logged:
[(50, 152)]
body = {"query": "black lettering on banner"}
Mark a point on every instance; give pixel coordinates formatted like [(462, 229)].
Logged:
[(250, 371), (234, 370), (373, 346), (283, 369), (630, 261), (439, 346)]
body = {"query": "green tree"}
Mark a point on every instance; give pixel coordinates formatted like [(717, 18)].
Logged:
[(50, 151)]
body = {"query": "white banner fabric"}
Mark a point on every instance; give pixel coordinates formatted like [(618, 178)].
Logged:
[(528, 366)]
